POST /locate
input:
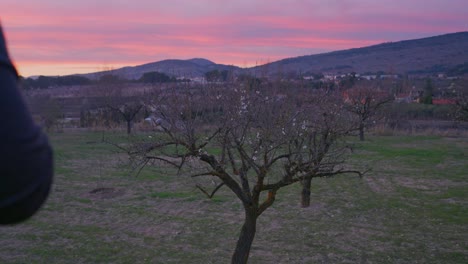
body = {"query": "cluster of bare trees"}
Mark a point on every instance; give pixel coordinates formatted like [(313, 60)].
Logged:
[(116, 103), (48, 111), (250, 137), (252, 140)]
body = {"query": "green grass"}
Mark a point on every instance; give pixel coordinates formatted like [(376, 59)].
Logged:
[(412, 207), (173, 195)]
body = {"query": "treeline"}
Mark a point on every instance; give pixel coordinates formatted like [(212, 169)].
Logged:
[(43, 82), (217, 76), (457, 70)]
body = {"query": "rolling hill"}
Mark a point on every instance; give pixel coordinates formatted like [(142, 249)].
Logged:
[(180, 68), (419, 56), (426, 55)]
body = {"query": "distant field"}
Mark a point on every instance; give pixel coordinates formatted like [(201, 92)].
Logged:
[(411, 208)]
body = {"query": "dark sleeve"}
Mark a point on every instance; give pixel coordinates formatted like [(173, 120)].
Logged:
[(26, 165)]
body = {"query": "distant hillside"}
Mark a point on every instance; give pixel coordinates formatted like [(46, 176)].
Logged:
[(440, 54), (427, 55), (179, 68)]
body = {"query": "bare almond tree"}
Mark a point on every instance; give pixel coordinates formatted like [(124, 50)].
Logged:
[(364, 101), (128, 110), (325, 149), (50, 110), (462, 100), (127, 106), (252, 140)]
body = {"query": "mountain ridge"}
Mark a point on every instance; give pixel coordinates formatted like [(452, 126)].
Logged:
[(423, 55), (195, 67), (401, 57)]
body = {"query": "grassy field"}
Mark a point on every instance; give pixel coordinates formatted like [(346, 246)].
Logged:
[(411, 208)]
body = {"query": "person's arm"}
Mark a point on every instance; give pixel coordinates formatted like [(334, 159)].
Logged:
[(26, 165)]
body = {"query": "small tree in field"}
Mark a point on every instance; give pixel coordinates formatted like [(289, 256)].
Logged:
[(364, 102), (462, 100), (127, 110), (426, 97), (111, 89), (252, 141), (326, 149), (51, 112)]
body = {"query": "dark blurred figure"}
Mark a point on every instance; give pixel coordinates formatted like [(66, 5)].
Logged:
[(26, 165)]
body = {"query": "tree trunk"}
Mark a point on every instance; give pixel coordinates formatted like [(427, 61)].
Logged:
[(129, 127), (361, 132), (305, 201), (246, 237)]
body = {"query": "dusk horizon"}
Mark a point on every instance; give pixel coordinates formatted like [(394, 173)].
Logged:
[(247, 131), (55, 38)]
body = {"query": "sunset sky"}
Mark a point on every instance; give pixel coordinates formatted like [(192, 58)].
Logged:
[(58, 37)]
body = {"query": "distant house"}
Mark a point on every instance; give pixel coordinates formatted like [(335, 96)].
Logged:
[(329, 77), (369, 77), (403, 98), (389, 76), (195, 79), (411, 97)]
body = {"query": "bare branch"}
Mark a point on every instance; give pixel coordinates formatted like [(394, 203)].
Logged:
[(210, 173), (268, 202), (163, 160), (210, 195)]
